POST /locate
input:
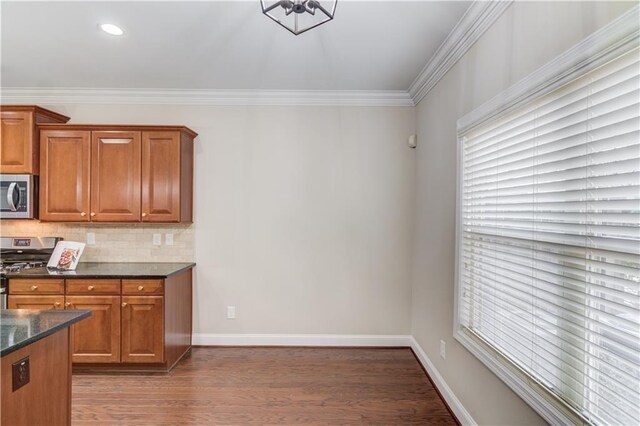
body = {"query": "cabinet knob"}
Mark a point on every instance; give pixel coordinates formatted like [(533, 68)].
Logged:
[(56, 304), (144, 214), (67, 304), (90, 288), (93, 214), (83, 214), (34, 287), (124, 304), (140, 288)]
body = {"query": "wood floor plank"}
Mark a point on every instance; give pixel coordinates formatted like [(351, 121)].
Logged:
[(267, 386)]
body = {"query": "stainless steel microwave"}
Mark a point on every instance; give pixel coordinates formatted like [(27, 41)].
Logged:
[(18, 196)]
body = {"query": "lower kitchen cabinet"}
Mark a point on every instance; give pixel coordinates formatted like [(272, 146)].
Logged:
[(142, 329), (97, 338), (136, 325)]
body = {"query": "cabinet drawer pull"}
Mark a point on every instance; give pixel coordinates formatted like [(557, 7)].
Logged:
[(67, 304), (124, 304), (83, 214), (34, 287), (90, 288), (140, 288)]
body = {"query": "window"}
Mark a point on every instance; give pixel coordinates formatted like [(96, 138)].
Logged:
[(548, 279)]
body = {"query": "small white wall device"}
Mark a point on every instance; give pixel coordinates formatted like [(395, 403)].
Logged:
[(412, 141)]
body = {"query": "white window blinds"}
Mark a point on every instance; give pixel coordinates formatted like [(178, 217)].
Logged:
[(549, 241)]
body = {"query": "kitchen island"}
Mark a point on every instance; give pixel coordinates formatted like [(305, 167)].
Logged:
[(141, 311), (35, 367)]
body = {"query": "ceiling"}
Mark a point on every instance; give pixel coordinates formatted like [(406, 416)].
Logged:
[(221, 45)]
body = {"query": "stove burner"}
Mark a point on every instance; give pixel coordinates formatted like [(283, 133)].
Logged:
[(19, 266)]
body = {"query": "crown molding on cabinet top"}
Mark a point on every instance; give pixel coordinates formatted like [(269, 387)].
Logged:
[(73, 95), (475, 21), (478, 18)]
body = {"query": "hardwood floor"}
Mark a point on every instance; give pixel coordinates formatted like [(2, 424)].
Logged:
[(246, 386)]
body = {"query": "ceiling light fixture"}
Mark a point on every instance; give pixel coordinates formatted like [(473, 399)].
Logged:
[(299, 16), (112, 29)]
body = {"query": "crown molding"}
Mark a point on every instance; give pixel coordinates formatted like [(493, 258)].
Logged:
[(75, 95), (475, 21)]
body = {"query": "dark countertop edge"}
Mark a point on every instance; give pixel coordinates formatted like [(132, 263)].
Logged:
[(82, 314), (189, 266), (114, 276)]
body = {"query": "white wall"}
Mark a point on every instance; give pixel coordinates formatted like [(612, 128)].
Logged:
[(525, 37), (303, 215)]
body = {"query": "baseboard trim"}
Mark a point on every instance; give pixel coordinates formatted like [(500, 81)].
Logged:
[(461, 413), (205, 339)]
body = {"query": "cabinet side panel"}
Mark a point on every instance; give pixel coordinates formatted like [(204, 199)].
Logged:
[(186, 178), (45, 400), (177, 315)]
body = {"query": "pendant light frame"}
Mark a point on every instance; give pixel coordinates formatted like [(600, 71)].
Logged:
[(295, 8)]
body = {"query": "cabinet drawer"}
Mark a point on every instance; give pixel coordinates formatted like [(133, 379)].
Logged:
[(35, 302), (141, 287), (93, 286), (36, 286)]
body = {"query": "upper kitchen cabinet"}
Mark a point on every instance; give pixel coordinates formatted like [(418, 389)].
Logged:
[(167, 177), (19, 137), (115, 176), (65, 162), (137, 174)]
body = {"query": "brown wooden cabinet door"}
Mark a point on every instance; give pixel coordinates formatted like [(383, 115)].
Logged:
[(160, 176), (64, 175), (97, 338), (115, 176), (16, 142), (142, 329), (36, 302)]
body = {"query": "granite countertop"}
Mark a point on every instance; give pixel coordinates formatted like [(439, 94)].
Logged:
[(22, 327), (108, 270)]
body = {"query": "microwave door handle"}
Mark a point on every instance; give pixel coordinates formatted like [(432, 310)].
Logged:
[(10, 191)]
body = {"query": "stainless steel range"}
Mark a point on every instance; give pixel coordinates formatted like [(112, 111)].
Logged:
[(18, 253)]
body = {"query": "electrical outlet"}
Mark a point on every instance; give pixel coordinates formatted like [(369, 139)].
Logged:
[(231, 312), (157, 239), (91, 238), (168, 239), (443, 349)]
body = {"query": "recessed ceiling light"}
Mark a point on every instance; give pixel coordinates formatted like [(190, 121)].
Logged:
[(112, 29)]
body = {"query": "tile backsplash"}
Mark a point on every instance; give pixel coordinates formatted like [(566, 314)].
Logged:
[(114, 243)]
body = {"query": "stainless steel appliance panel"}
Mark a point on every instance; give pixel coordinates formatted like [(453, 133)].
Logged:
[(18, 196)]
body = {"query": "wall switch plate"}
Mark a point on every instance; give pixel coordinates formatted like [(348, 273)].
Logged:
[(20, 373), (168, 239), (91, 238), (231, 312), (443, 349), (157, 239)]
